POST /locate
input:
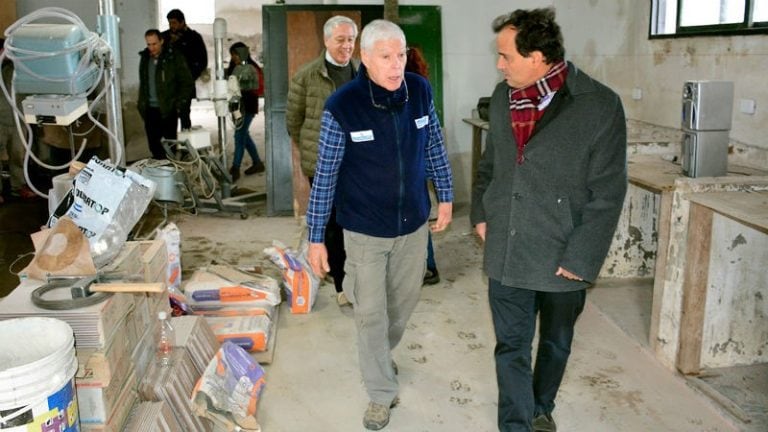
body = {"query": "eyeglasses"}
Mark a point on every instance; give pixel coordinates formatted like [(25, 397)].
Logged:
[(379, 106)]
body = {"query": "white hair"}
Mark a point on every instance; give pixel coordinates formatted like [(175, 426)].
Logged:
[(378, 30), (336, 21)]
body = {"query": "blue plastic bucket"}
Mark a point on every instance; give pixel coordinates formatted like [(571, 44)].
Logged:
[(37, 370)]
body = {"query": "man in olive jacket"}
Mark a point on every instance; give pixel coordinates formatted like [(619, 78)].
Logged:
[(547, 198), (314, 82), (309, 89), (165, 86)]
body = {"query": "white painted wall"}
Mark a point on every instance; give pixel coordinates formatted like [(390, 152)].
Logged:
[(735, 328), (609, 39)]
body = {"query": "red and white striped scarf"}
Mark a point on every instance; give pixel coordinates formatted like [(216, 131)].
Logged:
[(527, 104)]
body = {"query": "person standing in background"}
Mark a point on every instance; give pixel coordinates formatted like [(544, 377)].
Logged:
[(248, 78), (165, 86), (380, 139), (307, 93), (10, 141), (190, 44), (549, 192), (417, 64)]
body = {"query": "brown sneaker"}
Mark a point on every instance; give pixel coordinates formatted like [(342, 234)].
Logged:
[(544, 423), (376, 416)]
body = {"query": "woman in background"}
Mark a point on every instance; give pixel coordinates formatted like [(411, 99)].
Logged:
[(246, 70), (416, 63)]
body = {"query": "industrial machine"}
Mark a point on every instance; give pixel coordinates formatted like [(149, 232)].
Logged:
[(67, 71)]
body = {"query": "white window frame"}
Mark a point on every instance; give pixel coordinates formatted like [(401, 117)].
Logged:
[(665, 19)]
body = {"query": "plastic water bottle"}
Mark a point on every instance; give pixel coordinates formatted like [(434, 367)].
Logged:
[(165, 339)]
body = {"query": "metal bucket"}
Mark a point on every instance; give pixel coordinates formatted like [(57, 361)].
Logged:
[(169, 182)]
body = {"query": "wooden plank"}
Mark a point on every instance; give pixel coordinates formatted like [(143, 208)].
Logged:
[(653, 173), (660, 272), (7, 15), (476, 122), (152, 287), (695, 283), (749, 208)]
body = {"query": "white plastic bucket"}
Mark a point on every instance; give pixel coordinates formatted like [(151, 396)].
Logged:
[(37, 370)]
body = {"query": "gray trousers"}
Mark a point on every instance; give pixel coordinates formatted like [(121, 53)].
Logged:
[(383, 282)]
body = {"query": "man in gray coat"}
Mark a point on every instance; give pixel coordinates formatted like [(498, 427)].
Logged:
[(546, 201)]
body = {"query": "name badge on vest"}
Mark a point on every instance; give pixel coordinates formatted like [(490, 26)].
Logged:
[(421, 122), (361, 136)]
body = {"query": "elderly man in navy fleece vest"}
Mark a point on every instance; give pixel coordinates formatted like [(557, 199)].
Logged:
[(380, 140)]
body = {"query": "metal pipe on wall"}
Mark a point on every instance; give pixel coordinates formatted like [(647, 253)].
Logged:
[(220, 88), (108, 28)]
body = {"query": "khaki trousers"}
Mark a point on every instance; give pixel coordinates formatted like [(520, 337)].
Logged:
[(383, 282)]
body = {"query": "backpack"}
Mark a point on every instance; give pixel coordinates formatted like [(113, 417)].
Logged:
[(261, 80)]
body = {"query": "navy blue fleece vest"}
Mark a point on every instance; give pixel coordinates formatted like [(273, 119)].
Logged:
[(381, 188)]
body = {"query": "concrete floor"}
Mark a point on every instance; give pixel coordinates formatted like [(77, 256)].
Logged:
[(446, 358)]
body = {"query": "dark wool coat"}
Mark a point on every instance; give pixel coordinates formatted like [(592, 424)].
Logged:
[(561, 206), (173, 80)]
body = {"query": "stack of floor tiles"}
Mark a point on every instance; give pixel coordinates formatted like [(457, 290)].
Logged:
[(106, 336), (173, 385), (152, 417), (107, 378), (92, 325), (196, 337)]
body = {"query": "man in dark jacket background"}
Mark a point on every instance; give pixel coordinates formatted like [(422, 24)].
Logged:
[(182, 39), (165, 86), (547, 198)]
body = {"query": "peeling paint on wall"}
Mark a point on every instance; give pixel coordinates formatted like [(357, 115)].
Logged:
[(739, 240), (745, 275), (633, 251)]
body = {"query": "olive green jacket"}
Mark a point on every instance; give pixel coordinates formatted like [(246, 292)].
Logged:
[(309, 89)]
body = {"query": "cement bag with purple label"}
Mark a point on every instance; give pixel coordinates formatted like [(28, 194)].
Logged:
[(299, 281), (105, 203)]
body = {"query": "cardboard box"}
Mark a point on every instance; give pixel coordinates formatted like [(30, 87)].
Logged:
[(98, 397), (126, 401), (127, 262), (154, 260), (99, 366)]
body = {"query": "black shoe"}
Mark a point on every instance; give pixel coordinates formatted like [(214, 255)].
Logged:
[(544, 423), (256, 168), (431, 277), (235, 173)]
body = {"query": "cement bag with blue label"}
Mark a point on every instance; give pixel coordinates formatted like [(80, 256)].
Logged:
[(105, 203)]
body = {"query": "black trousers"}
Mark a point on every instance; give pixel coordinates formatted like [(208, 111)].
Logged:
[(158, 127), (334, 243), (523, 393)]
